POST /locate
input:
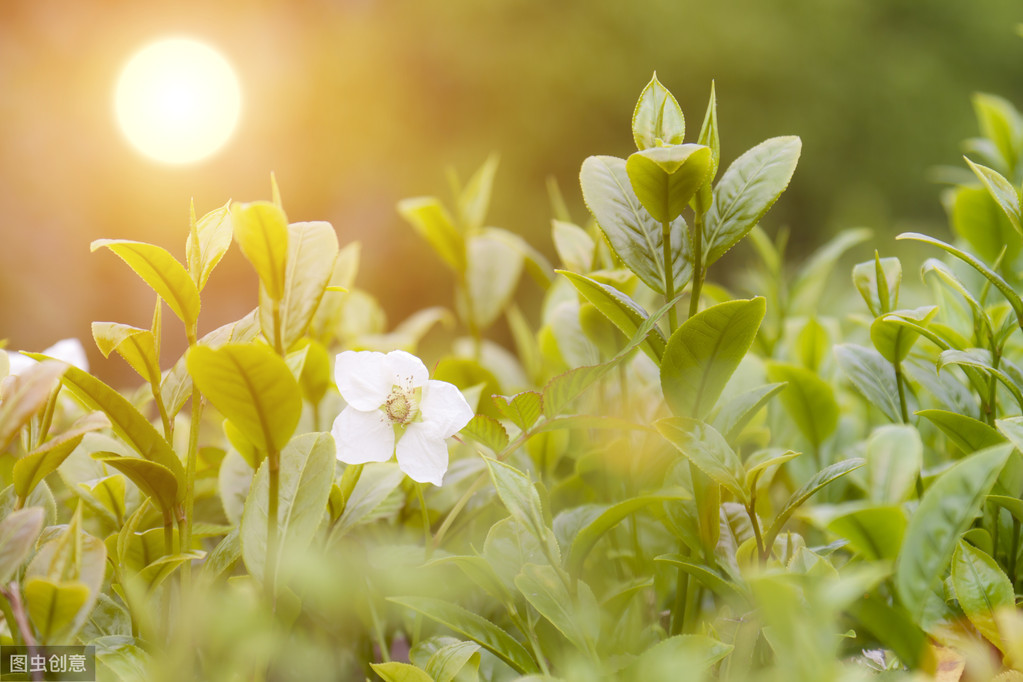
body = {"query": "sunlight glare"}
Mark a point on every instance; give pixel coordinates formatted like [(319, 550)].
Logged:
[(178, 100)]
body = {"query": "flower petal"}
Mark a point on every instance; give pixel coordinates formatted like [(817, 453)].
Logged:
[(444, 408), (364, 378), (408, 371), (362, 437), (18, 363), (422, 454), (70, 351)]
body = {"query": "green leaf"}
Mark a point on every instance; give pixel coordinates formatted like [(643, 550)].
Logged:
[(251, 386), (126, 420), (478, 629), (36, 465), (892, 626), (26, 394), (620, 309), (980, 358), (977, 218), (946, 510), (708, 450), (748, 188), (576, 617), (758, 463), (18, 533), (377, 481), (876, 532), (634, 235), (865, 280), (208, 240), (657, 118), (709, 135), (574, 246), (493, 273), (306, 474), (736, 413), (706, 576), (703, 353), (161, 569), (445, 663), (893, 340), (312, 250), (694, 654), (808, 400), (812, 344), (261, 230), (522, 409), (1001, 190), (586, 538), (162, 272), (431, 220), (53, 606), (518, 496), (1000, 123), (155, 480), (982, 588), (474, 200), (136, 346), (894, 458), (564, 388), (967, 433), (872, 375), (666, 178), (818, 481), (1007, 291), (486, 431), (394, 671)]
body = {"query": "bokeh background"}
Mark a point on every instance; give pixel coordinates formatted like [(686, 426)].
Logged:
[(356, 104)]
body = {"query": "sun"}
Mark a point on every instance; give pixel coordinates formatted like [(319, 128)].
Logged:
[(178, 100)]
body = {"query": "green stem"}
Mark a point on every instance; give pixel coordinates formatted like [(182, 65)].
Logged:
[(694, 297), (270, 574), (900, 382), (275, 313), (47, 418), (190, 465), (678, 611), (168, 425), (751, 512), (669, 274), (20, 622)]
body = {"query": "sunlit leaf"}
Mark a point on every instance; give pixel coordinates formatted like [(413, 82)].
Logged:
[(748, 188), (251, 386), (261, 230), (657, 117), (162, 272), (703, 353)]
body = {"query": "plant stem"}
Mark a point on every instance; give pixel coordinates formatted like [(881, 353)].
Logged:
[(168, 425), (669, 274), (694, 297), (190, 464), (1014, 548), (270, 573), (900, 381), (17, 610)]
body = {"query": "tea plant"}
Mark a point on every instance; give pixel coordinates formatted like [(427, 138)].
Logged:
[(663, 477)]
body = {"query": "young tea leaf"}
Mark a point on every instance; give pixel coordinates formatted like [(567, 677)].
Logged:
[(894, 459), (708, 450), (872, 375), (982, 588), (946, 510), (433, 223), (251, 386), (261, 230), (666, 178), (703, 353), (748, 188), (808, 400), (634, 235), (657, 117)]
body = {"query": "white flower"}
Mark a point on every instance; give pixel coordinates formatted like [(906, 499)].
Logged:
[(393, 406), (68, 350)]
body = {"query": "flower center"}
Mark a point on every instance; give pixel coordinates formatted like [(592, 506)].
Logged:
[(401, 406)]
